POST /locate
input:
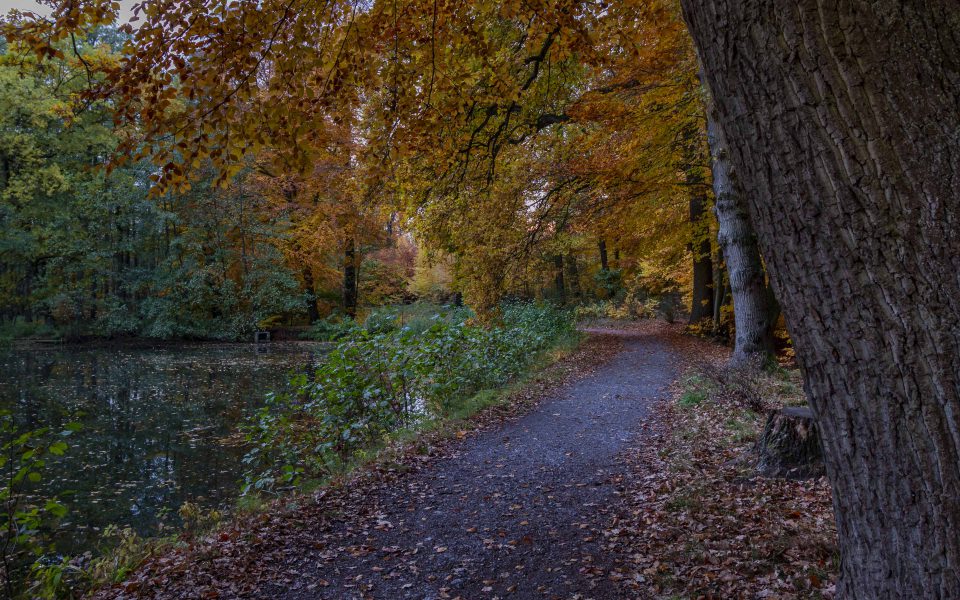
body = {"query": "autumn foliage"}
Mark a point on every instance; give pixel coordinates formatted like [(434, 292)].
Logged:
[(515, 138)]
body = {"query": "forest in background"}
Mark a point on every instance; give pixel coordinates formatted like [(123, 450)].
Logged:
[(87, 253), (601, 196)]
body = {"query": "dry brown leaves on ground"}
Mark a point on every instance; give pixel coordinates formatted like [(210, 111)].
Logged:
[(698, 522)]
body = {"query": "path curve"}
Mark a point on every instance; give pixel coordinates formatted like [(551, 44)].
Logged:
[(516, 511)]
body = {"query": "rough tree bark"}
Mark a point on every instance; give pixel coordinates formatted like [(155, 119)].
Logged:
[(790, 445), (841, 118), (602, 247), (738, 242)]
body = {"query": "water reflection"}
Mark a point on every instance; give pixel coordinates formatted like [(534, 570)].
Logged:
[(158, 423)]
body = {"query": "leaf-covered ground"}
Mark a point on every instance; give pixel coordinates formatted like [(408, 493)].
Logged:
[(592, 482), (697, 522)]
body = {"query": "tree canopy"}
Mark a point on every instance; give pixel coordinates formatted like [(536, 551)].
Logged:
[(514, 137)]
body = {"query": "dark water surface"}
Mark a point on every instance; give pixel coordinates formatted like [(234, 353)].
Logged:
[(159, 425)]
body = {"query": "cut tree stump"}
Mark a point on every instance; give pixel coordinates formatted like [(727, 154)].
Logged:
[(790, 445)]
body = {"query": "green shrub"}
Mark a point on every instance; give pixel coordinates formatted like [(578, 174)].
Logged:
[(382, 283), (330, 329), (380, 379), (631, 307), (609, 282), (382, 321), (415, 318), (23, 516), (20, 328)]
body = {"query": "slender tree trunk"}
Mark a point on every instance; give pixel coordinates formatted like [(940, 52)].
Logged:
[(573, 274), (312, 313), (738, 242), (4, 171), (350, 279), (243, 238), (841, 119), (558, 279), (701, 307), (602, 247), (721, 295)]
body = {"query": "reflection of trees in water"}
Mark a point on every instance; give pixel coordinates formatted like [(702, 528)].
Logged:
[(153, 418)]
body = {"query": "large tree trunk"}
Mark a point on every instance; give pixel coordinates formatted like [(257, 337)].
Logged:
[(602, 247), (738, 242), (842, 119)]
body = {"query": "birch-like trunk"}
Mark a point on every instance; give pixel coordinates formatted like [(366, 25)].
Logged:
[(738, 243)]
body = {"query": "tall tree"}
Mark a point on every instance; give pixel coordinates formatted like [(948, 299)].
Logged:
[(602, 248), (701, 302), (462, 93), (738, 243), (841, 118)]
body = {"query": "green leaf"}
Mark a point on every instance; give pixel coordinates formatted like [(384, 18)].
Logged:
[(55, 508)]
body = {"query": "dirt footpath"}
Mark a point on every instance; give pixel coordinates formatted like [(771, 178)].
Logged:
[(515, 512)]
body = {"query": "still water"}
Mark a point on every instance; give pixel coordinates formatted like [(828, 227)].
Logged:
[(159, 425)]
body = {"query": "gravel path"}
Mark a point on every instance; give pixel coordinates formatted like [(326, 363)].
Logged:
[(514, 512)]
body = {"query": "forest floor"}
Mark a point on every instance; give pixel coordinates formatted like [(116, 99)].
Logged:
[(548, 495)]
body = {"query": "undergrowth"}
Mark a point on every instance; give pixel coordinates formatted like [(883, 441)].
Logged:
[(386, 378)]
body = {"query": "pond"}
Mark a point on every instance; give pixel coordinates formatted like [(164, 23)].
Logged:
[(159, 425)]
